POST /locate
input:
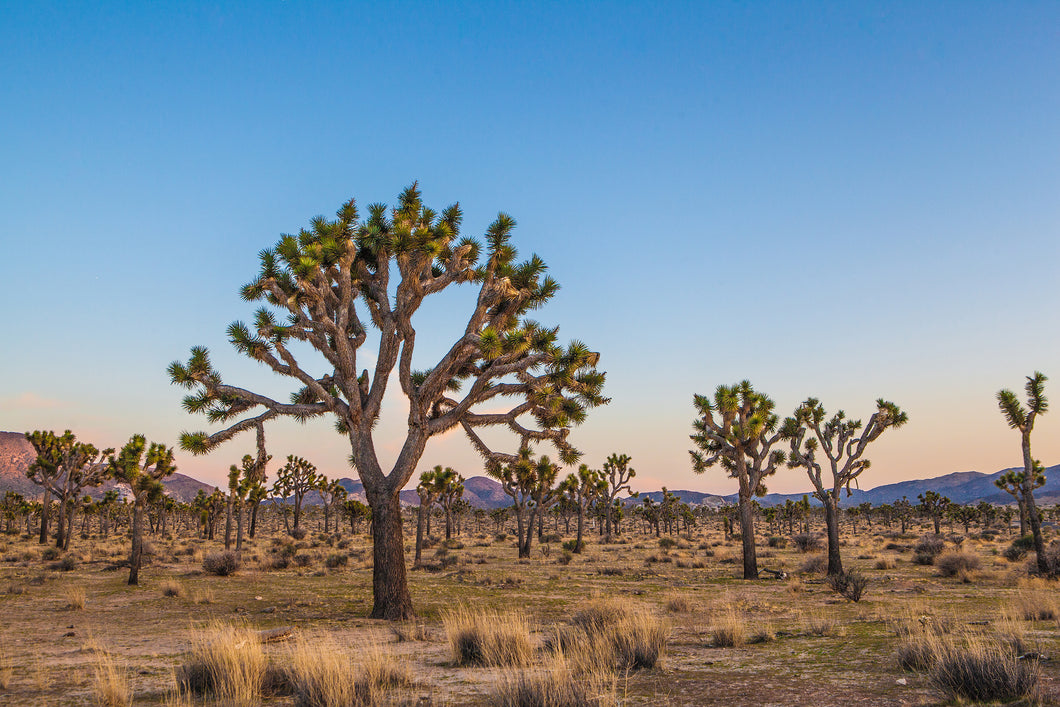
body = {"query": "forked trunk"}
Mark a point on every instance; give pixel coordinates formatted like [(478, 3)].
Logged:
[(389, 582)]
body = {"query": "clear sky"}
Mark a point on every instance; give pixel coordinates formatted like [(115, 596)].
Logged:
[(844, 200)]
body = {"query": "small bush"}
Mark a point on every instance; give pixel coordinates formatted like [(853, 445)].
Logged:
[(806, 542), (565, 558), (819, 624), (221, 563), (983, 672), (667, 543), (777, 541), (917, 650), (336, 560), (1038, 605), (678, 604), (885, 563), (850, 584), (172, 588), (303, 559), (599, 614), (50, 553), (557, 685), (950, 564), (815, 564), (227, 663), (298, 533), (929, 546)]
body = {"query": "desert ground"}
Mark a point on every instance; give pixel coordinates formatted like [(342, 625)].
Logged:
[(74, 633)]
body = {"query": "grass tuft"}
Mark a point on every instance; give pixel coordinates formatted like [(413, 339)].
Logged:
[(488, 637)]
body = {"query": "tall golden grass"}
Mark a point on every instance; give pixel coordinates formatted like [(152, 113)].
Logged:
[(493, 638)]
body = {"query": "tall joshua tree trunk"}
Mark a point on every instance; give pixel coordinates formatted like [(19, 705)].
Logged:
[(831, 521), (747, 528), (389, 582)]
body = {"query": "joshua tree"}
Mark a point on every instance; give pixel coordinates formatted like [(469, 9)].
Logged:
[(1011, 482), (332, 494), (618, 474), (933, 505), (429, 488), (295, 478), (811, 433), (256, 493), (63, 468), (326, 279), (241, 481), (530, 485), (582, 489), (144, 474), (1022, 419), (356, 512), (452, 492), (738, 430)]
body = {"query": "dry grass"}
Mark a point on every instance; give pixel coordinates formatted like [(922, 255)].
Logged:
[(982, 671), (818, 623), (7, 670), (728, 628), (488, 637), (172, 588), (75, 596), (228, 663), (679, 604), (322, 675), (1035, 602), (110, 683), (556, 684)]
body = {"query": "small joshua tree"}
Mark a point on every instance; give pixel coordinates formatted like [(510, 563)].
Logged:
[(429, 488), (1011, 482), (452, 492), (738, 429), (1023, 419), (144, 474), (529, 483), (933, 505)]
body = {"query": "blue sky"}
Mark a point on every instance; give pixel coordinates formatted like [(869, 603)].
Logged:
[(841, 200)]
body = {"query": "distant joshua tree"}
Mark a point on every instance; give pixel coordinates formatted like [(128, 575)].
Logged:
[(64, 467), (529, 483), (295, 478), (1011, 482), (737, 428), (934, 506), (617, 473), (582, 489), (1022, 419), (144, 474)]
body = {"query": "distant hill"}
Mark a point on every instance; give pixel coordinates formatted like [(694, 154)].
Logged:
[(16, 454)]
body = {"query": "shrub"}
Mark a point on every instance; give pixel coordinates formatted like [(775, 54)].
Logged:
[(221, 563), (599, 614), (488, 637), (298, 533), (678, 604), (820, 624), (172, 588), (777, 541), (885, 563), (950, 564), (927, 548), (1038, 605), (565, 558), (917, 650), (303, 559), (815, 564), (571, 545), (67, 564), (336, 560), (75, 597), (983, 672), (50, 553), (667, 543), (806, 542), (850, 584)]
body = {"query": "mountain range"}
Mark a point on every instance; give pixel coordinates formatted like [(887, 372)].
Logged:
[(16, 454)]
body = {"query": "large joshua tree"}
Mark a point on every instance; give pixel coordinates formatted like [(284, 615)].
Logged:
[(341, 281), (842, 443), (1022, 419), (737, 429)]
